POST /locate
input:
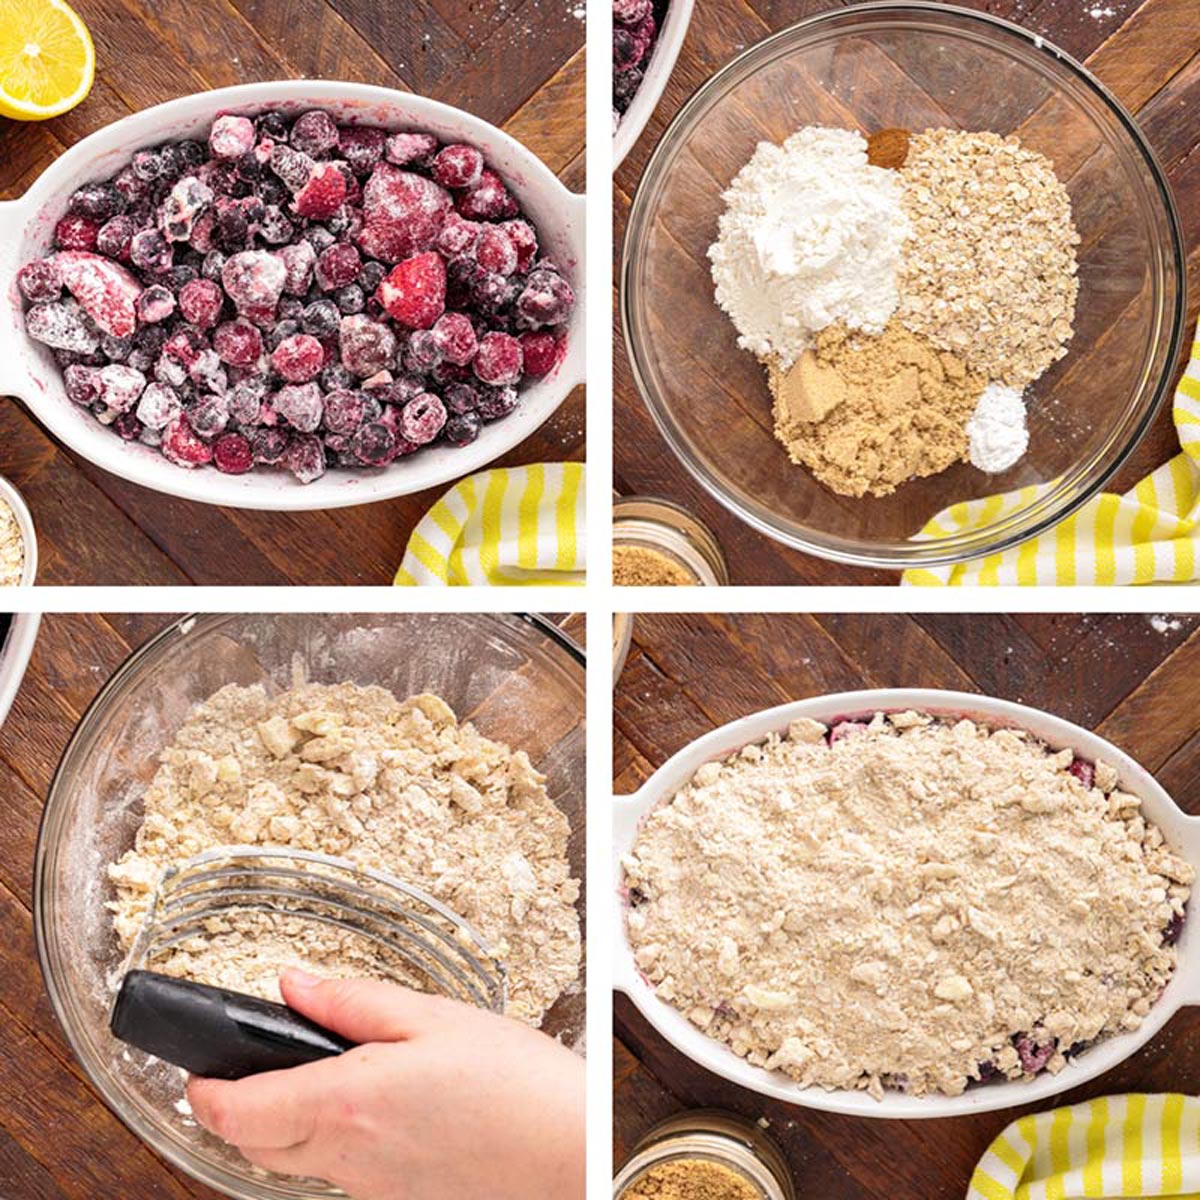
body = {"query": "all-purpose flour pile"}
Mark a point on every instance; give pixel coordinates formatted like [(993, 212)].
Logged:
[(399, 786), (890, 289)]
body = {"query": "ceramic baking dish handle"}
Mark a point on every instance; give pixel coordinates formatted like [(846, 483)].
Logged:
[(14, 379)]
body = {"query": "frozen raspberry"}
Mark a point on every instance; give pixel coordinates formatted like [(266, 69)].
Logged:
[(97, 201), (188, 199), (150, 251), (488, 200), (105, 289), (200, 302), (1083, 770), (540, 353), (115, 237), (361, 146), (159, 406), (299, 405), (463, 428), (181, 445), (306, 459), (402, 214), (496, 252), (367, 346), (525, 242), (323, 194), (405, 148), (314, 133), (338, 266), (630, 12), (254, 280), (298, 358), (422, 418), (40, 281), (238, 343), (208, 416), (76, 232), (415, 292), (497, 402), (458, 166), (547, 299), (231, 137), (293, 167), (270, 446), (374, 445), (299, 260), (120, 386), (345, 411), (82, 384), (499, 360), (455, 338), (458, 236), (231, 454)]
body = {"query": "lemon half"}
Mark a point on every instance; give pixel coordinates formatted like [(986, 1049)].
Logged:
[(47, 60)]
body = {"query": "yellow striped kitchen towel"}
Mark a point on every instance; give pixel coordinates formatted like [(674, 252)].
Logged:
[(1151, 534), (522, 526), (1115, 1146)]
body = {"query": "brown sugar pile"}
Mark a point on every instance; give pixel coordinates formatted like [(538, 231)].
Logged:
[(637, 566), (691, 1179), (864, 414), (888, 148)]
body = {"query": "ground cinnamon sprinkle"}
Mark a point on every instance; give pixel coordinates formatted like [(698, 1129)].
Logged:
[(888, 148), (637, 566), (691, 1179)]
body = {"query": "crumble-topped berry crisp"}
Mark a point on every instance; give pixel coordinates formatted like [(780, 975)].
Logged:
[(907, 902), (298, 293)]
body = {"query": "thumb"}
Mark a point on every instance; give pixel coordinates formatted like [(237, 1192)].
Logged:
[(363, 1010)]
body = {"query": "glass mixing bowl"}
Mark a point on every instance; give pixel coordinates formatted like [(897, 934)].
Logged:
[(914, 66), (520, 679)]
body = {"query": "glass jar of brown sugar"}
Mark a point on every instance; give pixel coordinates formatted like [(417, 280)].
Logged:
[(657, 543), (705, 1155)]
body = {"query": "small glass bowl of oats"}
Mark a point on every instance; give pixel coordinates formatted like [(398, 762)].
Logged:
[(18, 542), (658, 543), (705, 1154)]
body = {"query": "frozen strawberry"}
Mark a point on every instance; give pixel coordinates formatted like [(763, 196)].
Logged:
[(232, 454), (254, 280), (200, 302), (231, 137), (299, 260), (455, 338), (402, 214), (367, 346), (76, 232), (323, 194), (181, 445), (525, 242), (415, 292), (458, 166), (238, 343), (405, 148), (298, 358), (105, 289), (540, 353), (496, 251), (499, 360)]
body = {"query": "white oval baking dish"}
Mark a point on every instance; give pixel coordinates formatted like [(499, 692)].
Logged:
[(662, 63), (1181, 831), (28, 370), (15, 653), (24, 518)]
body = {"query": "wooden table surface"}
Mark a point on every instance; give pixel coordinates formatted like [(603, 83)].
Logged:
[(58, 1140), (1131, 678), (519, 65), (1146, 51)]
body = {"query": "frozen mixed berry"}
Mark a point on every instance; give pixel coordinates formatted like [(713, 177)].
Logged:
[(232, 454), (635, 30), (289, 292), (458, 166)]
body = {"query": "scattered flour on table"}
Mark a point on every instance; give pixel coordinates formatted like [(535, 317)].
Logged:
[(811, 234), (997, 434), (1161, 623), (399, 786)]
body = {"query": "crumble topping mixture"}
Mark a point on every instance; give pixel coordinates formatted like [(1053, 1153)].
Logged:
[(400, 786), (910, 903)]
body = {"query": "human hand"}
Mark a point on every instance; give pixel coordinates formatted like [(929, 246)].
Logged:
[(441, 1101)]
